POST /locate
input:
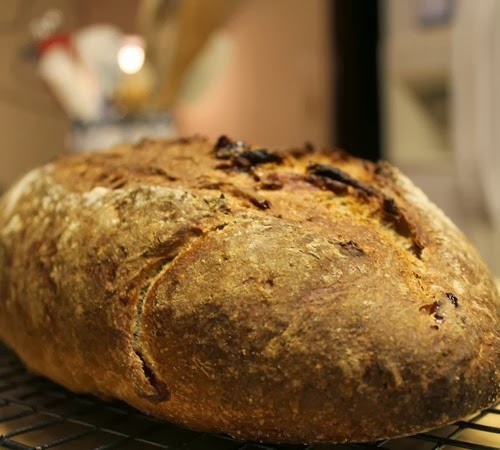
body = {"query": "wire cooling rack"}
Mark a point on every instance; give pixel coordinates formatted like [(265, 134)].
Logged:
[(37, 414)]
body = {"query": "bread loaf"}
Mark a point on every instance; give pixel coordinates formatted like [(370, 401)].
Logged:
[(293, 296)]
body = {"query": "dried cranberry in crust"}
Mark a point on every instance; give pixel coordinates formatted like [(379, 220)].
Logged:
[(339, 176), (242, 156), (452, 298)]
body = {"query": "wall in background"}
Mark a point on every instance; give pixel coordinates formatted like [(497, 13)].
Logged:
[(32, 128), (415, 71)]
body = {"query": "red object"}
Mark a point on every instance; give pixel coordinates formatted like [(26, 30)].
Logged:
[(63, 40)]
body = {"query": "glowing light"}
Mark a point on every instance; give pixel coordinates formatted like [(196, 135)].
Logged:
[(131, 55)]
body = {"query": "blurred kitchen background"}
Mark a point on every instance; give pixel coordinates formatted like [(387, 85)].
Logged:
[(411, 81)]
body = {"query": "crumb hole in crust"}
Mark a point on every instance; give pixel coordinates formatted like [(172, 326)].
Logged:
[(269, 284)]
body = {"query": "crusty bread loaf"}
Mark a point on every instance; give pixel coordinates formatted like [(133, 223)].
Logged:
[(291, 296)]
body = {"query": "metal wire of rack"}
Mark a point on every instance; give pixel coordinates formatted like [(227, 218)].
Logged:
[(38, 414)]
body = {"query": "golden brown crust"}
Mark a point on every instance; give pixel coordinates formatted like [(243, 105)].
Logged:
[(292, 296)]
